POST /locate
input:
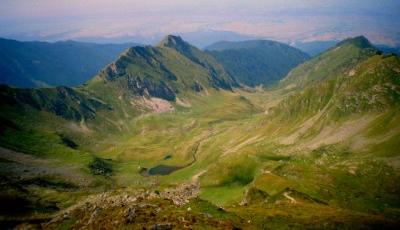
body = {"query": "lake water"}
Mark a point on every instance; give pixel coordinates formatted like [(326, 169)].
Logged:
[(163, 170)]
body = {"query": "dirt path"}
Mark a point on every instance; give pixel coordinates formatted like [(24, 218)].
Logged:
[(292, 200), (195, 178), (291, 139), (21, 158), (249, 141)]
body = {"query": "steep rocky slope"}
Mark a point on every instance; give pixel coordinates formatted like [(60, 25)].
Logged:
[(164, 71)]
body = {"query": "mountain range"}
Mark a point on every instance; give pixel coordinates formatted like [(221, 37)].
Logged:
[(42, 64), (168, 136)]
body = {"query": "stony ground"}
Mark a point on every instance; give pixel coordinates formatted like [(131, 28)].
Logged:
[(139, 209)]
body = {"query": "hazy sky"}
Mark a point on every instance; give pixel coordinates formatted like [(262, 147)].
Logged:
[(284, 20)]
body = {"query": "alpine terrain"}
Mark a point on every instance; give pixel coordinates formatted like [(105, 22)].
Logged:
[(172, 137)]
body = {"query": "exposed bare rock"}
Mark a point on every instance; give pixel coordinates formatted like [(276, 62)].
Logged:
[(154, 104), (137, 209), (183, 193)]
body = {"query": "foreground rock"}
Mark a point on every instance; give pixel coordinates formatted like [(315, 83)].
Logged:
[(141, 209)]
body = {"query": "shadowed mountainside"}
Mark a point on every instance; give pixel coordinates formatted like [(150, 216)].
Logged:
[(41, 64), (257, 62)]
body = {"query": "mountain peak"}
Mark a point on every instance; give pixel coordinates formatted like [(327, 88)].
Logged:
[(359, 41), (172, 41)]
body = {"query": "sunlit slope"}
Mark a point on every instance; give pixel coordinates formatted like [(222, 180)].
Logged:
[(331, 63), (343, 128), (357, 95)]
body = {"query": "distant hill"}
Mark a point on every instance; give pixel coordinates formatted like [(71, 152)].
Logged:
[(257, 62), (388, 49), (205, 38), (38, 64), (315, 47)]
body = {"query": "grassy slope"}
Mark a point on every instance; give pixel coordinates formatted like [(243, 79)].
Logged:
[(330, 64)]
